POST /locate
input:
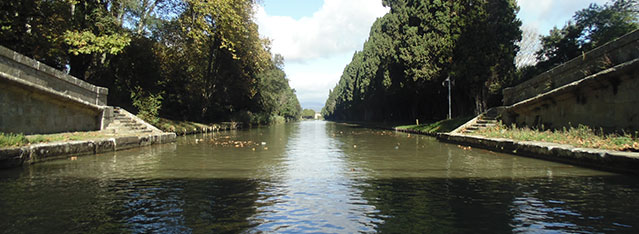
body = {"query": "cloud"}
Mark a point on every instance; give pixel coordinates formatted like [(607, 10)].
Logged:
[(338, 26), (314, 78), (316, 48), (544, 14)]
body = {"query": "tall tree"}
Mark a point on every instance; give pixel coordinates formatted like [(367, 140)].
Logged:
[(415, 47)]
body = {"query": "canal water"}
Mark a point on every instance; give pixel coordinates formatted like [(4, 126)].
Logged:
[(313, 176)]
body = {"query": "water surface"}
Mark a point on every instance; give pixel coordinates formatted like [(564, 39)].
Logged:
[(317, 177)]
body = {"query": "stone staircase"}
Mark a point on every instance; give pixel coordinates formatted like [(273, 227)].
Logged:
[(482, 122), (487, 119), (126, 123)]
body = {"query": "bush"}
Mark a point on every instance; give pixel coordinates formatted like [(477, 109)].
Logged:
[(148, 105)]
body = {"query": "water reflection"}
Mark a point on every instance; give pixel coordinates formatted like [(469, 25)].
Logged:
[(317, 194), (501, 205), (313, 177)]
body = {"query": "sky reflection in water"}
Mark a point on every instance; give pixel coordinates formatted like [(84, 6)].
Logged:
[(313, 177)]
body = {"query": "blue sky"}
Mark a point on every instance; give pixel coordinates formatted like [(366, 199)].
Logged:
[(318, 37)]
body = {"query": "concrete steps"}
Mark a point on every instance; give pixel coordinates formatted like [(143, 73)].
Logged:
[(124, 123), (488, 119)]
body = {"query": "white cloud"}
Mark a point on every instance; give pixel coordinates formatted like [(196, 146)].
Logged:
[(317, 48), (540, 16), (314, 78), (544, 14), (338, 26)]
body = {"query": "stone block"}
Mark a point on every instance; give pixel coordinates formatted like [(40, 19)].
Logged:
[(104, 145), (126, 142), (13, 157), (55, 150)]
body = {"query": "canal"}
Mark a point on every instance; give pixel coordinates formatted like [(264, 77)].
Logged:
[(313, 176)]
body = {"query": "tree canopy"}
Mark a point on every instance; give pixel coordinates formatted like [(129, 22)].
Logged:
[(589, 28), (200, 60), (415, 47)]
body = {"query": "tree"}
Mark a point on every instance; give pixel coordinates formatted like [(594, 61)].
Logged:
[(589, 28), (308, 114), (417, 45), (200, 60)]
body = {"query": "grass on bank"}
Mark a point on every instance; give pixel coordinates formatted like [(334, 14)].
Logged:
[(17, 140), (446, 125), (581, 136)]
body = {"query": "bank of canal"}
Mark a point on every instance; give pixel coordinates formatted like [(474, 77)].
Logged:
[(313, 176)]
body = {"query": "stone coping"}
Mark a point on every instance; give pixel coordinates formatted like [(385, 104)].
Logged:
[(615, 52), (64, 97), (608, 160), (16, 157), (610, 76), (55, 74)]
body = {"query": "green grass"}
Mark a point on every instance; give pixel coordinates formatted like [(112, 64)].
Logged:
[(446, 125), (17, 140), (581, 136), (10, 140)]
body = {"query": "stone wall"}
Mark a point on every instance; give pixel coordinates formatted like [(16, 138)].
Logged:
[(616, 52), (27, 69), (37, 99), (608, 100)]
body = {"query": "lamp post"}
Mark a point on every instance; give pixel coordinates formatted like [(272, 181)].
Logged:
[(447, 82)]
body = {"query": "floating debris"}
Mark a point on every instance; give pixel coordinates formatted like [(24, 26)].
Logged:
[(464, 147)]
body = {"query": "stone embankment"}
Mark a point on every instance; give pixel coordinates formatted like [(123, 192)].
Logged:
[(433, 134), (38, 99), (597, 89), (202, 128), (15, 157), (608, 160)]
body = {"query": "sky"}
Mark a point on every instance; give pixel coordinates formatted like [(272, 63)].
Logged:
[(319, 37)]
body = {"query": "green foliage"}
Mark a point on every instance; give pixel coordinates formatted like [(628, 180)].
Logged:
[(148, 105), (87, 43), (308, 114), (205, 58), (11, 139), (589, 28), (16, 140), (411, 50), (274, 95)]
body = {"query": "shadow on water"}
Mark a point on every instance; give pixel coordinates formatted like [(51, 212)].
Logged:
[(313, 176), (581, 204)]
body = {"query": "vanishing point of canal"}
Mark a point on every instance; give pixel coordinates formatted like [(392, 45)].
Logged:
[(313, 176)]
